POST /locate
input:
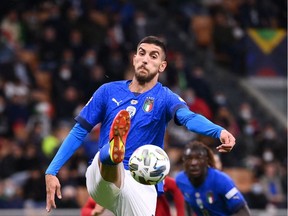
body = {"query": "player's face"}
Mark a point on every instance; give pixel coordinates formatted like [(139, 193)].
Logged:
[(195, 163), (148, 62)]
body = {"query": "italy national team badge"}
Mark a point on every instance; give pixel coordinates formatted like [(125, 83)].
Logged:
[(210, 197), (148, 104)]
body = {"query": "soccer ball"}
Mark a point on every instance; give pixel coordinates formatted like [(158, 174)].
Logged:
[(149, 164)]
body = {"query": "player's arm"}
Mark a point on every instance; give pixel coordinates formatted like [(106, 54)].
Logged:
[(234, 199), (244, 211), (199, 124), (71, 143)]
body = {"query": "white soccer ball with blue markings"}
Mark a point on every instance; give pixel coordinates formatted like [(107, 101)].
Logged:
[(149, 164)]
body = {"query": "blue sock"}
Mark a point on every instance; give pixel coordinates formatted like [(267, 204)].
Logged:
[(104, 155)]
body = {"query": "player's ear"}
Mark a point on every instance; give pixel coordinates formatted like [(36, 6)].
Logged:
[(133, 60), (162, 66)]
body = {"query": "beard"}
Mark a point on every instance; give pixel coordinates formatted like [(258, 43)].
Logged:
[(145, 78)]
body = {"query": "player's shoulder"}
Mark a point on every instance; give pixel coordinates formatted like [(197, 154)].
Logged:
[(116, 83), (220, 175), (167, 91), (165, 88), (180, 177), (114, 86)]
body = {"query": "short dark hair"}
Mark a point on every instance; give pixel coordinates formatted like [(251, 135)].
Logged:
[(156, 41)]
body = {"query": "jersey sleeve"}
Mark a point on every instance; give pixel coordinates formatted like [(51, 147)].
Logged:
[(197, 123), (93, 112), (232, 196)]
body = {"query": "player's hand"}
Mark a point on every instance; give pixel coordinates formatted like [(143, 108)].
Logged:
[(52, 186), (227, 140), (97, 210)]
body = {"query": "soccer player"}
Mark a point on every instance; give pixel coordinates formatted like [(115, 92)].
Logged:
[(147, 106), (206, 189)]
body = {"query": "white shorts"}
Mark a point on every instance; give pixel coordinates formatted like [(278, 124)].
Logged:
[(131, 199)]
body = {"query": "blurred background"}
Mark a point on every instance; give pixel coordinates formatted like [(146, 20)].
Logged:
[(226, 58)]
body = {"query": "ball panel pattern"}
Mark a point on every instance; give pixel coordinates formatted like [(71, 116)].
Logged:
[(149, 164)]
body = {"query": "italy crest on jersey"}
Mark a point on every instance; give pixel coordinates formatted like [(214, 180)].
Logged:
[(210, 197), (148, 104)]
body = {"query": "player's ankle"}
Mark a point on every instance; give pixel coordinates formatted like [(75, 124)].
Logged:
[(104, 155)]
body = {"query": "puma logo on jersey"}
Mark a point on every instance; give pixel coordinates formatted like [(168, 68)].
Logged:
[(114, 100)]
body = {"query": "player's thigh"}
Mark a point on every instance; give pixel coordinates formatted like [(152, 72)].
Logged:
[(138, 198), (103, 192)]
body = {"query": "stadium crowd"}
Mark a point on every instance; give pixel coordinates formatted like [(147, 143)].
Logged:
[(55, 54)]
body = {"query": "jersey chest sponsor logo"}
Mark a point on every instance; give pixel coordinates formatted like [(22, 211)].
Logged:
[(148, 104)]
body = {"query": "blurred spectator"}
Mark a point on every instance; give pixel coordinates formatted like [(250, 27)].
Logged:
[(201, 86), (49, 49), (196, 104), (7, 159), (76, 44), (269, 145), (227, 42), (272, 186), (4, 125), (177, 75), (97, 76), (11, 28), (246, 119), (52, 141), (68, 201), (94, 28), (28, 158), (113, 55), (139, 28), (249, 14), (10, 195), (248, 125), (34, 189), (67, 103), (226, 119), (256, 197)]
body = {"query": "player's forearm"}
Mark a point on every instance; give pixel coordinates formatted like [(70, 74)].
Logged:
[(71, 143), (244, 211), (198, 123)]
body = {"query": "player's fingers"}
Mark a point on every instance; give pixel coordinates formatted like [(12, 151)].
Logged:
[(58, 192), (224, 148), (50, 200)]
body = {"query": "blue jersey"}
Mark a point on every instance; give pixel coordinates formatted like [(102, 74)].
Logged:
[(149, 111), (216, 196)]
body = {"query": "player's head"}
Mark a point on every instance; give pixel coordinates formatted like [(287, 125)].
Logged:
[(149, 59), (197, 158), (156, 41)]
